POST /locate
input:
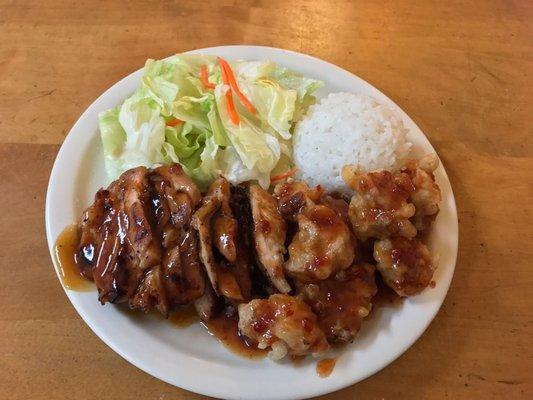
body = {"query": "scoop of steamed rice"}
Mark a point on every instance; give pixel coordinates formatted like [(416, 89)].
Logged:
[(347, 128)]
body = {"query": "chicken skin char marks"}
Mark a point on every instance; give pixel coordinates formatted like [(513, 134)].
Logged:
[(221, 252), (138, 235), (293, 264)]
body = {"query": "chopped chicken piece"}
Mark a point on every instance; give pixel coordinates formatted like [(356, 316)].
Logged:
[(224, 228), (139, 235), (426, 195), (127, 247), (269, 234), (380, 208), (220, 275), (183, 277), (201, 221), (90, 240), (150, 293), (323, 245), (283, 323), (180, 275), (341, 302), (405, 265)]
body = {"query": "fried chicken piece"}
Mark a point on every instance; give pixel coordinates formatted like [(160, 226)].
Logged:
[(426, 195), (294, 196), (380, 206), (341, 302), (405, 264), (283, 323), (339, 204), (269, 234), (323, 245)]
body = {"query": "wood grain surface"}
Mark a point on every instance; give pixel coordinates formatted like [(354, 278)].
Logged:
[(462, 70)]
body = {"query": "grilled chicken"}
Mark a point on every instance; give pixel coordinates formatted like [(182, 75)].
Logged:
[(404, 264), (341, 302), (90, 227), (127, 245), (269, 234), (224, 228), (227, 270), (323, 245), (283, 323), (178, 279), (380, 206)]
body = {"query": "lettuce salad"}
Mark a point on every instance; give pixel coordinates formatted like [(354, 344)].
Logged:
[(212, 117)]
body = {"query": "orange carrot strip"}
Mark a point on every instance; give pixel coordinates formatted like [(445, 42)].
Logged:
[(229, 100), (174, 122), (233, 83), (285, 175), (205, 81)]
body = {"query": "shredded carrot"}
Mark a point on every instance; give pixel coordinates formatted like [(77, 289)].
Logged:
[(205, 81), (174, 122), (225, 67), (285, 175), (229, 100)]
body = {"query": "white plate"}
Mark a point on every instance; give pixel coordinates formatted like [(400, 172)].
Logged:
[(190, 358)]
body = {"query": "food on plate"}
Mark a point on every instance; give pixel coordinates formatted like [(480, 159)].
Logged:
[(286, 265), (323, 245), (283, 323), (342, 301), (212, 116), (347, 129), (270, 231), (405, 264), (205, 208), (380, 206)]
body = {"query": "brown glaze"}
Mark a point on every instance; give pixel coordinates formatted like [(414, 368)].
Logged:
[(325, 367), (183, 317), (69, 261), (226, 331)]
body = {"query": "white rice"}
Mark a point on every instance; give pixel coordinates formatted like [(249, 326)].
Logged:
[(347, 128)]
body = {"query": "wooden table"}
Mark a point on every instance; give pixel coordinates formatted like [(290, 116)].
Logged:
[(463, 72)]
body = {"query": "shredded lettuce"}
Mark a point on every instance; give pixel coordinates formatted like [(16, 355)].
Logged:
[(204, 140)]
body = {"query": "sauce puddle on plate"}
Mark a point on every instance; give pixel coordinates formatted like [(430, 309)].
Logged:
[(184, 316), (65, 250), (325, 367), (226, 331)]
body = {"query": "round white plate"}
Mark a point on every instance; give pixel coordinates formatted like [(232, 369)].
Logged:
[(190, 358)]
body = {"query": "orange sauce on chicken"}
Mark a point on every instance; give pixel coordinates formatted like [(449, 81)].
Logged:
[(226, 331), (325, 367), (65, 250)]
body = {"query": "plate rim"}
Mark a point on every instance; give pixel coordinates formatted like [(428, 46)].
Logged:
[(205, 389)]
